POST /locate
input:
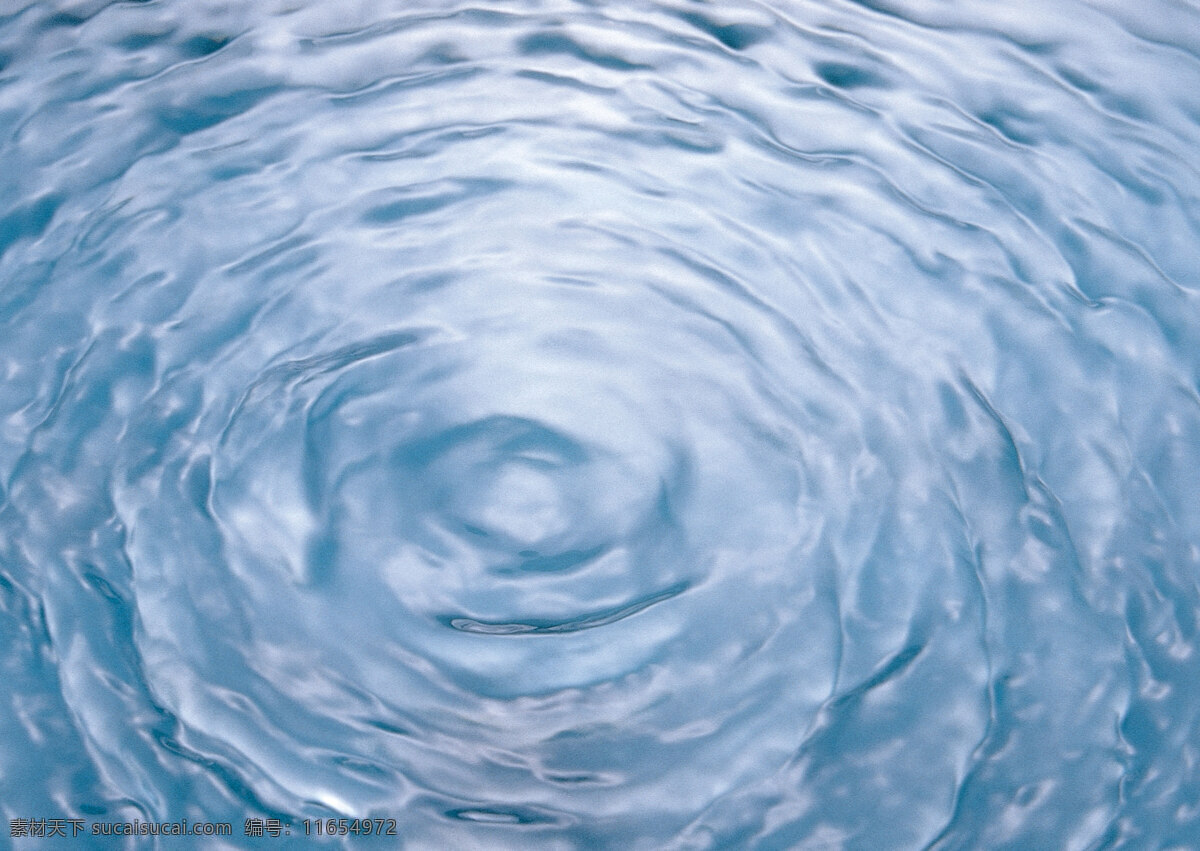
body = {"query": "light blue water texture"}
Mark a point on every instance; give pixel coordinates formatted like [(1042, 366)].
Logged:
[(563, 424)]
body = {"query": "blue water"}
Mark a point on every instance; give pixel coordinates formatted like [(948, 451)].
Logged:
[(639, 425)]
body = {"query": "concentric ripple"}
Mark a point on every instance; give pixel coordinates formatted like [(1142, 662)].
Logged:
[(637, 425)]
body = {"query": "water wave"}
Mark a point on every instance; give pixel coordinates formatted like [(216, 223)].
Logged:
[(652, 425)]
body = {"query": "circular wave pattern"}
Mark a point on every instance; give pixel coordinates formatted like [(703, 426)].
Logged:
[(658, 425)]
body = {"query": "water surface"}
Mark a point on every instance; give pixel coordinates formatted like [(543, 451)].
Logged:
[(626, 425)]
